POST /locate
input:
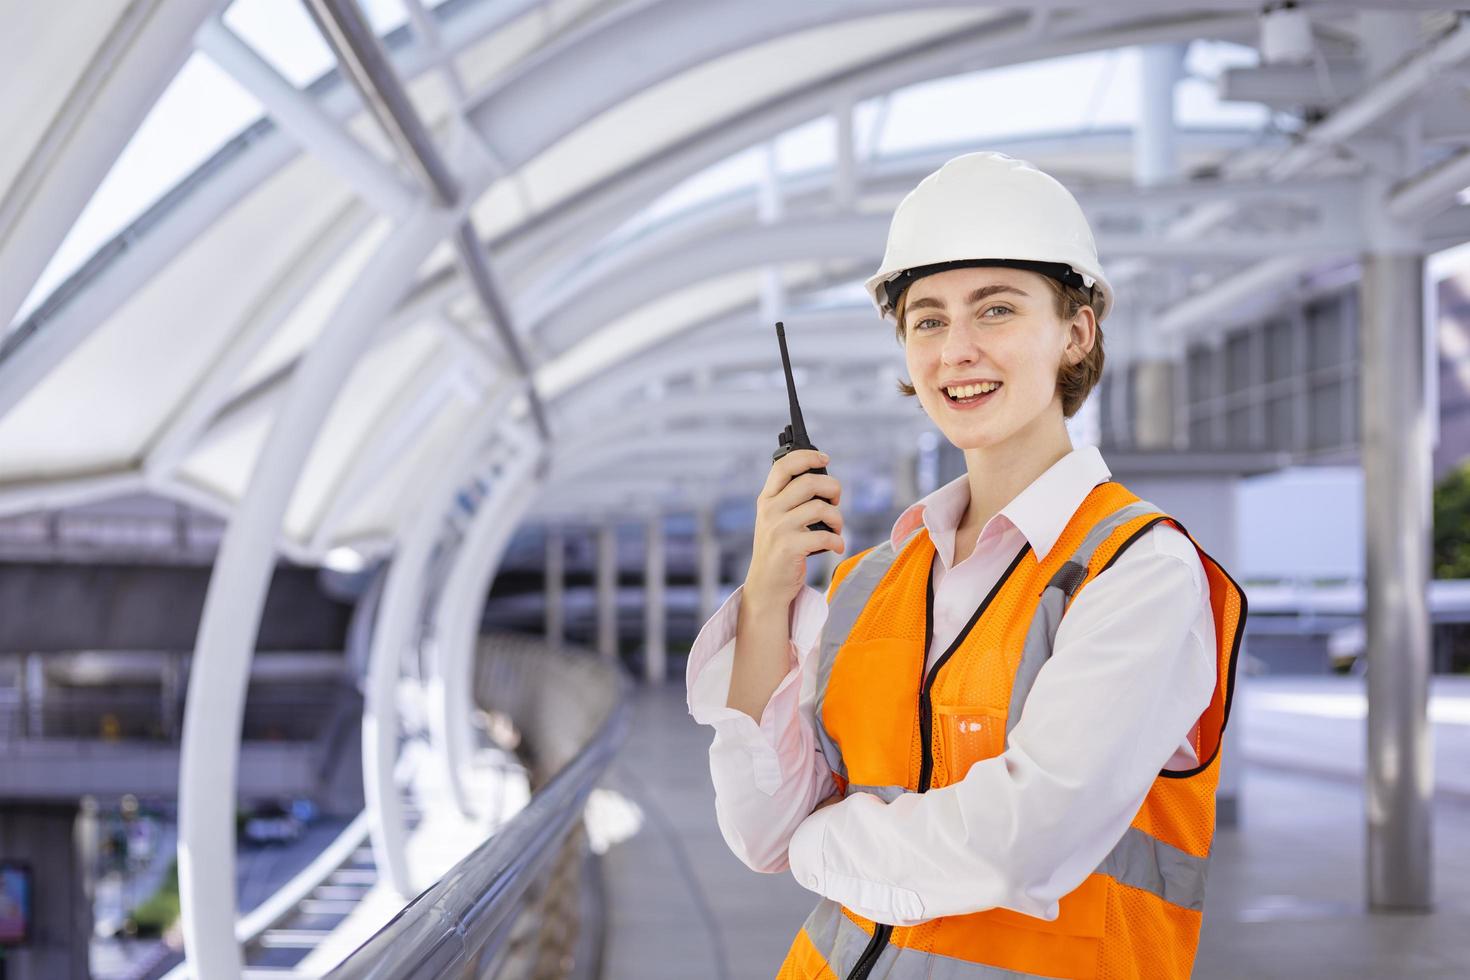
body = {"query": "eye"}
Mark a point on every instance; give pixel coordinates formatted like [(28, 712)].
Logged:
[(999, 306), (919, 324)]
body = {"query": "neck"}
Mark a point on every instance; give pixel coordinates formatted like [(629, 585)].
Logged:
[(998, 473)]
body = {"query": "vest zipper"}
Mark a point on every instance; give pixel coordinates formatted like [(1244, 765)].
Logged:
[(865, 963), (882, 933)]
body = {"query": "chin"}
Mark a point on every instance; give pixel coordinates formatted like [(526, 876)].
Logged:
[(973, 440)]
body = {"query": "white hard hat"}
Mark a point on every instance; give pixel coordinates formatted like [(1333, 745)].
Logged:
[(987, 209)]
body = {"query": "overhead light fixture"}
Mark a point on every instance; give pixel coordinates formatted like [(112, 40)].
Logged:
[(348, 561), (1286, 35)]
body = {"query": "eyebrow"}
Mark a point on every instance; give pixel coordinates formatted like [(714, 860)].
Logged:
[(974, 297)]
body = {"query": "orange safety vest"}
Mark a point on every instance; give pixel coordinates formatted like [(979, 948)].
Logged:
[(886, 729)]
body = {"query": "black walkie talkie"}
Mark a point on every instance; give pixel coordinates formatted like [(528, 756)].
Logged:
[(794, 436)]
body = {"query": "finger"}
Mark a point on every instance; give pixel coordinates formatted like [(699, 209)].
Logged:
[(814, 541), (793, 464), (817, 510), (806, 487)]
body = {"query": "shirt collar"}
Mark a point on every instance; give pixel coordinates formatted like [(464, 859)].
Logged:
[(1040, 512)]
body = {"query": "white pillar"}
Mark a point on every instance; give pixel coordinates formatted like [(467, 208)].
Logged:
[(707, 550), (844, 174), (607, 591), (655, 650), (555, 575), (1396, 498), (1154, 141), (1397, 487), (1155, 161)]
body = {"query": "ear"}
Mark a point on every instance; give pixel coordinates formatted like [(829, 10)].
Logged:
[(1081, 335)]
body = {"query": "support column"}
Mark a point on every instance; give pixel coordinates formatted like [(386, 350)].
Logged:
[(1153, 382), (844, 174), (607, 591), (1396, 497), (1155, 161), (43, 835), (556, 561), (655, 649), (707, 547)]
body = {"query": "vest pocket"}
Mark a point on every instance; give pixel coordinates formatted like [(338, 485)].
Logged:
[(968, 734)]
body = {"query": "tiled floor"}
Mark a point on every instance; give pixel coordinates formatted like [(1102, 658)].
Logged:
[(1286, 893)]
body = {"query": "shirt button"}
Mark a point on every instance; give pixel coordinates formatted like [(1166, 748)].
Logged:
[(811, 881)]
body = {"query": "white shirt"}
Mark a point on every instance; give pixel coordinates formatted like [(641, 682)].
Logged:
[(1132, 670)]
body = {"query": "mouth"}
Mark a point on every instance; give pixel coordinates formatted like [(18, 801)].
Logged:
[(969, 396)]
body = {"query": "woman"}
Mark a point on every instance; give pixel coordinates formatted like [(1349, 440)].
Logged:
[(993, 750)]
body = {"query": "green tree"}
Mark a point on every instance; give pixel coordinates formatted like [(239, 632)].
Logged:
[(1452, 524)]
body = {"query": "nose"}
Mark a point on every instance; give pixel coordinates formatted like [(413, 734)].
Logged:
[(959, 346)]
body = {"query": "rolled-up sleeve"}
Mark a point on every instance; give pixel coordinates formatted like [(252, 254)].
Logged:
[(767, 776), (1132, 670)]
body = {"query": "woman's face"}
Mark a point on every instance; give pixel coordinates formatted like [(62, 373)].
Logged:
[(984, 324)]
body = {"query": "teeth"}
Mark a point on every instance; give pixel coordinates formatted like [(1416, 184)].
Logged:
[(965, 391)]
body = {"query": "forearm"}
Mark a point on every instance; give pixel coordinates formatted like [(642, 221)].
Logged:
[(762, 654), (767, 773)]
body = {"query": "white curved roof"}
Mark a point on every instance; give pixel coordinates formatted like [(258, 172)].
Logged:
[(655, 181)]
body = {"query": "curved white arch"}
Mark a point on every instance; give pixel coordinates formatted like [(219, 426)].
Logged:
[(456, 614), (231, 619), (396, 628)]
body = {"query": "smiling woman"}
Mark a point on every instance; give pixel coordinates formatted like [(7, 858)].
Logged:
[(998, 748)]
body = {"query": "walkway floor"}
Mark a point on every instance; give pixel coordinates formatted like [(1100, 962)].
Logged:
[(1286, 894)]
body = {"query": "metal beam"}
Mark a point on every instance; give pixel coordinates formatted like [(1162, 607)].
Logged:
[(1234, 299), (1383, 96), (1431, 190), (361, 56), (301, 116)]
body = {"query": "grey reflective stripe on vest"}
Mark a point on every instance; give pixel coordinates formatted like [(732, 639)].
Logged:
[(885, 793), (842, 614), (1041, 635), (842, 942), (1138, 860), (1158, 868)]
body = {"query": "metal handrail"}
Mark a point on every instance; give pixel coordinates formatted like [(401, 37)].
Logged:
[(459, 924)]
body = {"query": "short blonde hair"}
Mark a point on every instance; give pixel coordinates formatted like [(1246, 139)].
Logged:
[(1075, 382)]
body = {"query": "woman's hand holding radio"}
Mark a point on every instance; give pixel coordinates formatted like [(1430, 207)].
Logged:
[(793, 499)]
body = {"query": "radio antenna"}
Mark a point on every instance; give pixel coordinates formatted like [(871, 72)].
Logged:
[(799, 438)]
